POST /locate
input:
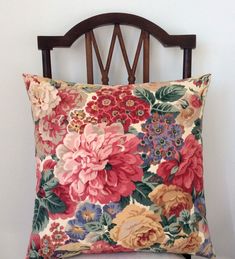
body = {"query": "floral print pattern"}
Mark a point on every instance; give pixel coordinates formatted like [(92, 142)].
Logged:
[(119, 168)]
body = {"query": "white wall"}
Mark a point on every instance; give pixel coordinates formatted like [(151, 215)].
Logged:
[(21, 21)]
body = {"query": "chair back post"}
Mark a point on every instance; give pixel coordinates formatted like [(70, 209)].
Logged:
[(46, 63), (187, 63), (147, 28)]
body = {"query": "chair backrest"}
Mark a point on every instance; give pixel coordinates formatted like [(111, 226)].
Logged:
[(147, 28)]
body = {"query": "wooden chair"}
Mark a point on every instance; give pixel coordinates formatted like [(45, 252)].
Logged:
[(185, 42)]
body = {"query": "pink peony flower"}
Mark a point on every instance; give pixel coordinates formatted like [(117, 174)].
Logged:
[(100, 164), (70, 98), (190, 167), (53, 128)]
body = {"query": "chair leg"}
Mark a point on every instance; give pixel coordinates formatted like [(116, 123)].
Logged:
[(186, 256)]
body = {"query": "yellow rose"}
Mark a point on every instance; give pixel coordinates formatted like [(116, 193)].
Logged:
[(136, 228), (172, 199), (185, 245)]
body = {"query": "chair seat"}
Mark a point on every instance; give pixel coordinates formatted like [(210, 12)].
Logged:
[(129, 256)]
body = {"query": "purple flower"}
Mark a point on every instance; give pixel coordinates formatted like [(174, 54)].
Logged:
[(200, 207), (206, 249), (175, 131), (88, 212), (112, 209), (155, 156), (167, 118), (161, 139), (75, 230)]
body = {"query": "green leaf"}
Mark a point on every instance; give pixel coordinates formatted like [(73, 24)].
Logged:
[(132, 130), (48, 181), (184, 103), (175, 228), (172, 173), (105, 219), (40, 218), (33, 254), (69, 250), (164, 221), (170, 93), (141, 192), (172, 219), (93, 226), (124, 201), (91, 88), (196, 217), (163, 108), (156, 209), (196, 131), (157, 248), (148, 175), (49, 185), (145, 95), (185, 216), (53, 203), (186, 229), (106, 237), (47, 176), (112, 225)]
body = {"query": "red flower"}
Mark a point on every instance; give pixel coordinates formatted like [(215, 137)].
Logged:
[(140, 113), (68, 101), (124, 119), (106, 101), (195, 101), (104, 117), (48, 164), (54, 226), (190, 168), (58, 237), (34, 244), (120, 94), (62, 191), (46, 247), (92, 108), (105, 91), (117, 104), (114, 111), (130, 102)]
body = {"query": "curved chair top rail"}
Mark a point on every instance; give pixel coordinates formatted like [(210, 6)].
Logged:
[(185, 42), (182, 41)]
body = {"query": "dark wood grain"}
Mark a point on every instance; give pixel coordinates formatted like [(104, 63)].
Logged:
[(147, 28)]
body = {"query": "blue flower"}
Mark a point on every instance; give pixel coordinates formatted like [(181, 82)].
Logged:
[(112, 209), (88, 212), (155, 156), (147, 159), (145, 144), (200, 206), (178, 143), (175, 131), (75, 230), (167, 118), (206, 249), (169, 154), (163, 142)]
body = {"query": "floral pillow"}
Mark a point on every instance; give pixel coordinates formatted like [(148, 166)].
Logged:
[(119, 168)]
